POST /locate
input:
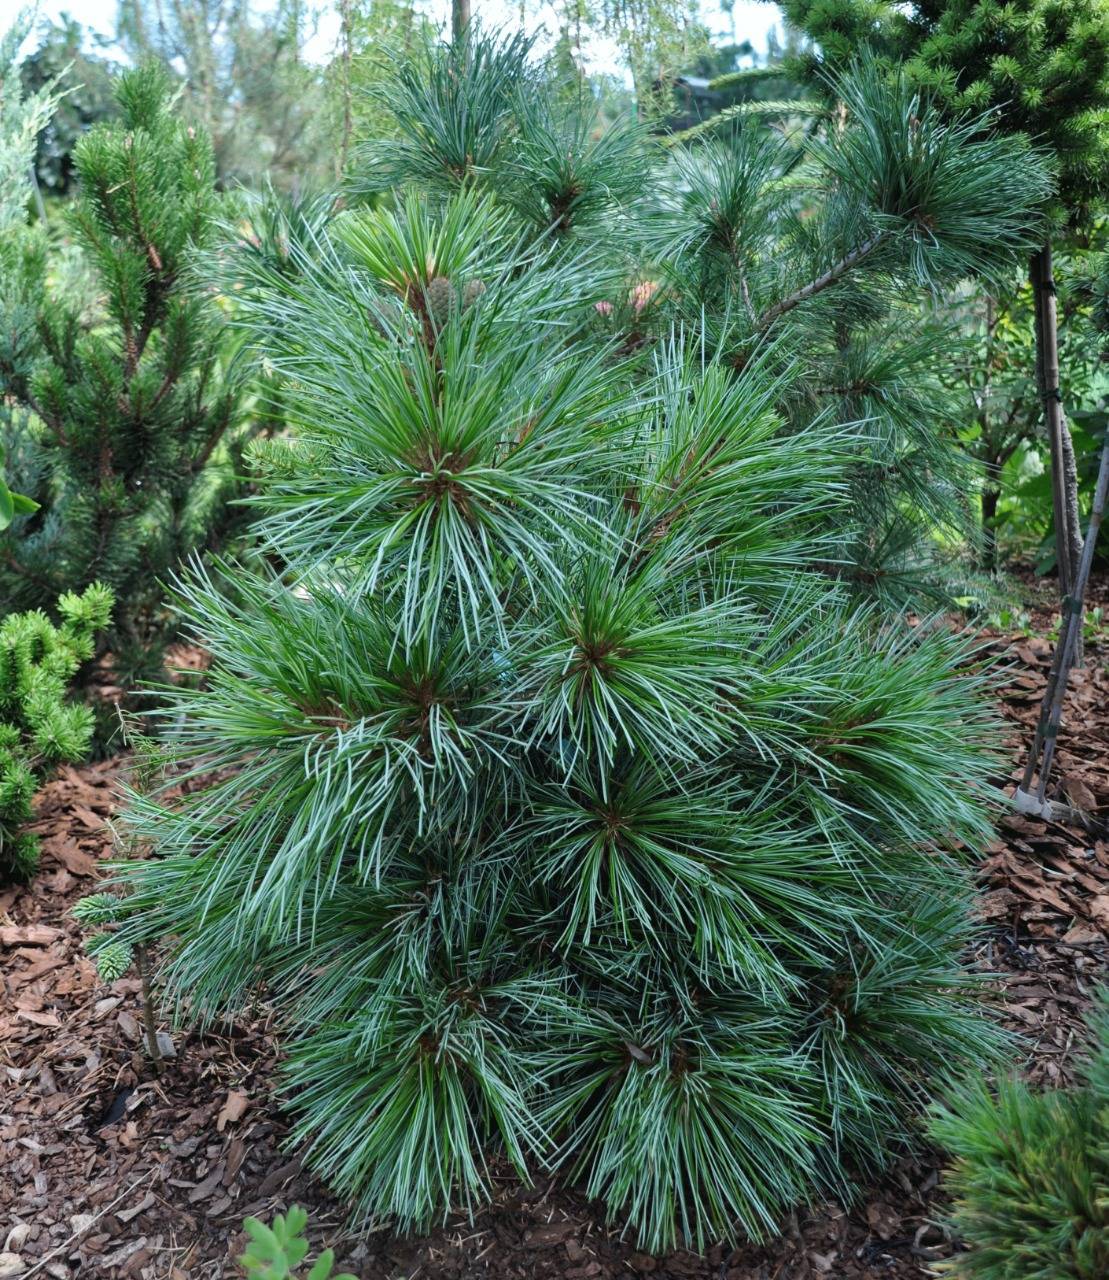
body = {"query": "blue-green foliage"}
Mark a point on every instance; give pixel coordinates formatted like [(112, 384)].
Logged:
[(569, 808)]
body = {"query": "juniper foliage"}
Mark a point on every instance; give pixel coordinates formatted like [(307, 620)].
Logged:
[(38, 727), (573, 816), (124, 433)]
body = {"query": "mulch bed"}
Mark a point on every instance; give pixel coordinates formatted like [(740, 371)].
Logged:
[(111, 1171)]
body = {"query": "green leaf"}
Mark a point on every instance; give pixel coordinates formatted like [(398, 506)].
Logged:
[(322, 1268)]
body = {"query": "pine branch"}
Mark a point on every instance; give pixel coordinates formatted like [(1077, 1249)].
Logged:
[(788, 107), (750, 75), (834, 273)]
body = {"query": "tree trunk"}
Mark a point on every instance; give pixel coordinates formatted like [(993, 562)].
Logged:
[(991, 494), (1064, 477), (1064, 471), (460, 18)]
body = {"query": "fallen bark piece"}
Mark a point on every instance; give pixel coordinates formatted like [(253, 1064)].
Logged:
[(28, 935)]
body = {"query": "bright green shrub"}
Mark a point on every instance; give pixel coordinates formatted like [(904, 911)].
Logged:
[(1030, 1177), (38, 727)]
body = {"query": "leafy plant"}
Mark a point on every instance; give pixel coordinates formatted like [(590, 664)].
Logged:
[(276, 1252), (12, 504), (38, 727), (1030, 1177)]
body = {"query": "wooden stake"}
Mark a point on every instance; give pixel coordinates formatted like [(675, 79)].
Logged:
[(1051, 708)]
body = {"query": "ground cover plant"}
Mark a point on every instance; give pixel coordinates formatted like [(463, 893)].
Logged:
[(1030, 1177), (39, 727), (570, 812)]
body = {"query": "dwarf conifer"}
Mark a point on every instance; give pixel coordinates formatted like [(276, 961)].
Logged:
[(125, 431), (573, 815), (38, 727)]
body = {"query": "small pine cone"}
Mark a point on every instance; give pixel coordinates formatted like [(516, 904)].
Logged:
[(472, 291), (440, 298)]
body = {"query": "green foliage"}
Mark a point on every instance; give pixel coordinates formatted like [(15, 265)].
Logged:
[(568, 809), (276, 1252), (22, 117), (245, 82), (113, 955), (1030, 1179), (829, 248), (38, 728), (125, 433), (1043, 65), (993, 373), (12, 504), (85, 90)]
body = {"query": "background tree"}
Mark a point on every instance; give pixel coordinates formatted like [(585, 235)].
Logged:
[(86, 96), (1043, 66), (23, 116), (995, 371), (130, 443), (825, 241), (246, 81)]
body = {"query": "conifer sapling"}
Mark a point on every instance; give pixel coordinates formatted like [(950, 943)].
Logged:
[(573, 816)]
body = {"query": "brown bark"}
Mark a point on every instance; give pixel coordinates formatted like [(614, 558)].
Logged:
[(1064, 477), (991, 494)]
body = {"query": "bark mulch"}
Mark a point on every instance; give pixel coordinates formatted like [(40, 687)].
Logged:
[(112, 1171)]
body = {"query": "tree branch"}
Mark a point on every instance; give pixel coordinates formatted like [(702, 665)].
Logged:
[(847, 263)]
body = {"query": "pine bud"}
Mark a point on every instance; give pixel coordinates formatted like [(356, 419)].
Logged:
[(440, 298), (472, 291)]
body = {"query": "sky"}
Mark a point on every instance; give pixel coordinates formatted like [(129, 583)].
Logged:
[(752, 20)]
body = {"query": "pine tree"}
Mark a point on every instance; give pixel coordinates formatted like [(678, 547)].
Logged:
[(1042, 67), (130, 443), (22, 118), (573, 816), (38, 728)]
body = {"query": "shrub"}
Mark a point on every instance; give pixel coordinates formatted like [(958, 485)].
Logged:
[(568, 816), (124, 432), (38, 728), (1030, 1177), (569, 805)]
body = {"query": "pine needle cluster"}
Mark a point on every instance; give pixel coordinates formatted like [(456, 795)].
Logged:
[(38, 727), (1031, 1173), (1041, 65), (572, 815), (832, 249)]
